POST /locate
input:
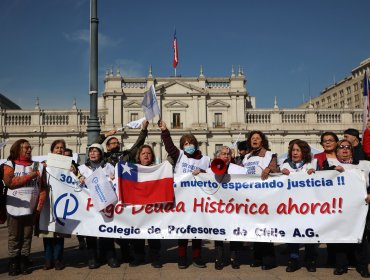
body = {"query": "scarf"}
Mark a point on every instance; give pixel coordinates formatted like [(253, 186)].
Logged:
[(22, 160), (95, 164), (295, 165), (254, 152)]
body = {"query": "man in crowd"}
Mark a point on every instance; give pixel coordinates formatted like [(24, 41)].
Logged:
[(353, 136)]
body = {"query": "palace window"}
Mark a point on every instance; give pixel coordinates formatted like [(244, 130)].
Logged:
[(218, 147), (134, 117), (218, 123), (348, 90), (355, 86), (176, 121)]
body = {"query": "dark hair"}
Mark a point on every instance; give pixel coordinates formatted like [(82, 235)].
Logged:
[(190, 138), (328, 133), (141, 148), (305, 149), (265, 142), (56, 142), (243, 146), (68, 150), (291, 141), (15, 149)]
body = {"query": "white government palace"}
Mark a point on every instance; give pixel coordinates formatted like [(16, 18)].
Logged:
[(217, 110)]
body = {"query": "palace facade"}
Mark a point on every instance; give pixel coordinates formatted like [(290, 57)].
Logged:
[(217, 110)]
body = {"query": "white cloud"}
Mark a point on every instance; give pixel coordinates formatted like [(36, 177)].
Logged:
[(130, 68), (83, 35)]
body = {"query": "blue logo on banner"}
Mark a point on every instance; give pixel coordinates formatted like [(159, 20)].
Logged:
[(66, 211)]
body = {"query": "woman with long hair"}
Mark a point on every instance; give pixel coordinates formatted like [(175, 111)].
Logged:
[(25, 199), (261, 161), (186, 159)]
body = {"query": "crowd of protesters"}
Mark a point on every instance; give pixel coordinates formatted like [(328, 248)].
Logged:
[(253, 155)]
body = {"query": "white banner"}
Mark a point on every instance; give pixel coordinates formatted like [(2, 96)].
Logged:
[(325, 207)]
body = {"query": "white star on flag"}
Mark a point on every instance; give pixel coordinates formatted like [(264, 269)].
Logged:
[(126, 168)]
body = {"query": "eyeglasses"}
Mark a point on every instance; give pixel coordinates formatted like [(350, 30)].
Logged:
[(27, 148), (328, 141), (347, 147)]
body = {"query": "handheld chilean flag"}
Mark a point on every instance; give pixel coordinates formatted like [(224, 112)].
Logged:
[(366, 92), (175, 51), (140, 184)]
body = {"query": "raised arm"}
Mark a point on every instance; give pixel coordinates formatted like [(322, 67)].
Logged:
[(171, 149), (130, 154)]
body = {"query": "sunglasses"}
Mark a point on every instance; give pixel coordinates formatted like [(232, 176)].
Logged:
[(347, 147)]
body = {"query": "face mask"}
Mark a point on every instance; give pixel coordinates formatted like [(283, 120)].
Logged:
[(189, 149), (115, 150)]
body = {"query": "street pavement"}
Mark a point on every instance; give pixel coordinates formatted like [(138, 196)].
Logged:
[(75, 260)]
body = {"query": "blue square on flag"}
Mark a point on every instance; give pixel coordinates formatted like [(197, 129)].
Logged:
[(127, 171)]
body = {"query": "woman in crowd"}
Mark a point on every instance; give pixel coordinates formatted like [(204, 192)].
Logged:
[(106, 245), (300, 160), (24, 205), (328, 141), (225, 154), (261, 161), (186, 159), (342, 251), (145, 156), (54, 242)]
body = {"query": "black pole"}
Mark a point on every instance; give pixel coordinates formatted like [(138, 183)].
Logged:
[(93, 126)]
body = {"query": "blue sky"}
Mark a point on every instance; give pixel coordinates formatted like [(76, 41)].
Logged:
[(288, 48)]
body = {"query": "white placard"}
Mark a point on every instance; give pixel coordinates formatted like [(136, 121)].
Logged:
[(101, 189), (59, 161)]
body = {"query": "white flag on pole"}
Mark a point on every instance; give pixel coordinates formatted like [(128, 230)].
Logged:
[(135, 124), (150, 104)]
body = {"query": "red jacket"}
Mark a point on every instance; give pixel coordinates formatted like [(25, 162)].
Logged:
[(366, 142)]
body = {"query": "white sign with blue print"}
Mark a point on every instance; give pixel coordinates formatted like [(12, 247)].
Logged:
[(101, 189)]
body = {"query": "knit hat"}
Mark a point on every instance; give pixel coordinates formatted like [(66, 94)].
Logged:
[(97, 146), (353, 132)]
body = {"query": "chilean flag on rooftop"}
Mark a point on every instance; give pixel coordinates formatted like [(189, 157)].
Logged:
[(138, 184), (175, 51)]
